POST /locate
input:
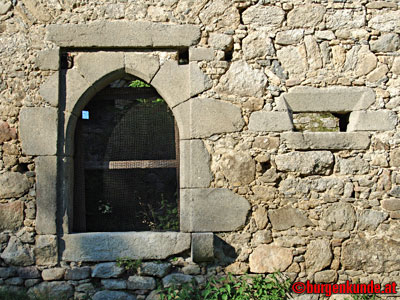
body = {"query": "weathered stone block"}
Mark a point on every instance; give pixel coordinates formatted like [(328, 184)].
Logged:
[(154, 269), (199, 82), (48, 60), (201, 54), (306, 163), (387, 21), (389, 42), (53, 274), (142, 65), (212, 210), (306, 15), (49, 90), (391, 204), (176, 279), (113, 295), (202, 247), (220, 41), (17, 253), (326, 276), (370, 219), (256, 44), (383, 120), (13, 184), (6, 132), (270, 121), (194, 164), (352, 165), (373, 254), (77, 273), (287, 217), (318, 255), (289, 37), (123, 34), (332, 99), (326, 140), (112, 66), (46, 250), (76, 87), (203, 117), (238, 167), (270, 258), (338, 216), (46, 191), (52, 289), (172, 82), (266, 16), (141, 283), (28, 272), (108, 246), (107, 270), (38, 130)]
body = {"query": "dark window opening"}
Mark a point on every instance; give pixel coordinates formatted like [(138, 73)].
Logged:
[(126, 162), (183, 56), (343, 120)]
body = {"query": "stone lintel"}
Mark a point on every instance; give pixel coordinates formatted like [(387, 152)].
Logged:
[(201, 54), (108, 246), (120, 34), (331, 99), (202, 246), (212, 210), (270, 121), (326, 140), (194, 164), (38, 130), (382, 120), (46, 194)]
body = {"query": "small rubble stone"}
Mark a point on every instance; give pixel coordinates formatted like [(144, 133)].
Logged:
[(391, 204), (352, 165), (266, 16), (6, 133), (287, 217), (11, 215), (258, 45), (141, 283), (293, 59), (270, 258), (261, 217), (17, 253), (261, 237), (386, 21), (318, 255), (113, 295), (237, 268), (338, 216), (13, 184), (220, 41), (77, 273), (53, 274), (238, 167), (53, 289), (46, 250), (176, 279), (388, 42), (114, 284), (28, 272), (107, 270), (191, 269), (370, 219), (327, 276), (306, 163), (155, 269), (306, 16)]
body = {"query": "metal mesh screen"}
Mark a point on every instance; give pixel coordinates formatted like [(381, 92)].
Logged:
[(125, 163)]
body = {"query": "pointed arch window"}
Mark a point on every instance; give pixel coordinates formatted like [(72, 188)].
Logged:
[(126, 161)]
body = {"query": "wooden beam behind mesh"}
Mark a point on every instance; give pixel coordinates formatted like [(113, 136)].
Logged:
[(131, 164)]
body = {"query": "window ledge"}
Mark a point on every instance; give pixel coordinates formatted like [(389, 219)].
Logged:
[(108, 246)]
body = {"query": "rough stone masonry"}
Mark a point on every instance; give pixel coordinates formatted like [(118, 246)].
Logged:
[(290, 140)]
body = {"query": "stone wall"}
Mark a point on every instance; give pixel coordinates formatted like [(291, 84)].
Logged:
[(288, 116)]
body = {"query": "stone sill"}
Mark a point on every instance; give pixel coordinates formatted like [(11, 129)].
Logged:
[(108, 246)]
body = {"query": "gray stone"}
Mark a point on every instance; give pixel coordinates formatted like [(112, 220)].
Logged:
[(289, 37), (203, 117), (373, 254), (28, 272), (345, 18), (265, 142), (293, 59), (212, 210), (327, 276), (306, 16), (382, 120), (379, 74), (263, 16), (202, 247), (172, 83), (50, 88), (48, 60), (395, 155), (270, 121), (53, 274), (287, 217), (220, 41), (199, 82), (11, 214), (112, 65), (318, 255), (388, 42), (5, 7), (194, 164), (46, 250), (391, 204), (191, 269), (86, 288), (107, 270), (141, 283), (14, 281), (113, 295), (314, 57), (7, 272), (366, 61), (353, 165), (258, 44), (261, 217), (380, 5), (46, 201), (238, 167), (326, 140), (114, 284), (220, 14), (123, 34), (324, 35), (201, 54), (142, 65), (77, 86), (6, 132), (305, 163), (176, 279), (155, 269), (13, 184), (77, 273), (332, 99), (17, 253), (396, 66), (269, 259), (38, 130), (338, 217), (370, 219), (242, 80), (261, 237), (395, 191), (387, 21), (108, 246)]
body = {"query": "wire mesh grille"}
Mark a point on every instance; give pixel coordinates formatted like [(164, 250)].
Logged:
[(126, 163)]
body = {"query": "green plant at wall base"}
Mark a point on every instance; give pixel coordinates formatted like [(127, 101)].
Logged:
[(138, 84), (130, 265), (271, 287)]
